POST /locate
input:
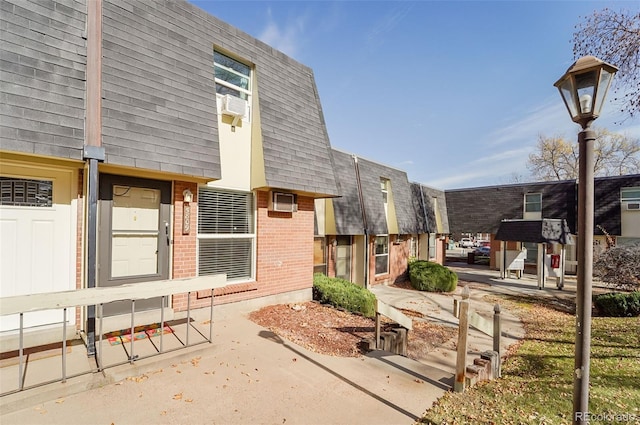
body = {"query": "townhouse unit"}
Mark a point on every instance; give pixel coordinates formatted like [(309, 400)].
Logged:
[(146, 141), (482, 209), (368, 234)]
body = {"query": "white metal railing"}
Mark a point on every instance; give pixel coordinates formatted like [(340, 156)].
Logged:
[(102, 295)]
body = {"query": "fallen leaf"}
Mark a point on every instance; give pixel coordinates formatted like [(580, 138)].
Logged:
[(60, 400), (178, 396)]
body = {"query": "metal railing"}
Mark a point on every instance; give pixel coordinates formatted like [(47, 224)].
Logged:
[(99, 297)]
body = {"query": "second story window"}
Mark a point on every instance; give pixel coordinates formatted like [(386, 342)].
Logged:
[(533, 203), (630, 198), (232, 77), (384, 188)]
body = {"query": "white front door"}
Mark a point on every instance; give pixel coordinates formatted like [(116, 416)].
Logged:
[(37, 234)]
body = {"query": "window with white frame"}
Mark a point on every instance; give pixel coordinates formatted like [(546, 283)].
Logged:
[(630, 198), (233, 86), (382, 254), (226, 233), (533, 202), (413, 248), (232, 76)]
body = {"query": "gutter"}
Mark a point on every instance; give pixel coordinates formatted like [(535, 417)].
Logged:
[(93, 152)]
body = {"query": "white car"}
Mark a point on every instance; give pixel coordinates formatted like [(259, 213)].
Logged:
[(465, 243)]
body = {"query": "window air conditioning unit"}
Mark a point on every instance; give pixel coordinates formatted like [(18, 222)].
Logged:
[(633, 206), (234, 106), (283, 202)]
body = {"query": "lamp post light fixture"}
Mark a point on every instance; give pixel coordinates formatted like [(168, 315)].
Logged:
[(584, 88)]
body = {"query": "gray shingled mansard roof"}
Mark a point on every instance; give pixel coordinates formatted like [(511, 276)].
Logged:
[(347, 208), (424, 197), (481, 209), (166, 49), (295, 143)]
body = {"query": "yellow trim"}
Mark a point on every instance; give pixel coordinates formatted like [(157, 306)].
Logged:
[(150, 174), (63, 193), (258, 173), (9, 157), (392, 219), (329, 218)]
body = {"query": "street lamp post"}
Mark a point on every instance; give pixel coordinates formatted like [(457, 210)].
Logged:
[(583, 88)]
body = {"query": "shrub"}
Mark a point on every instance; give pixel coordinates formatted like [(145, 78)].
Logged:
[(432, 277), (344, 294), (618, 304)]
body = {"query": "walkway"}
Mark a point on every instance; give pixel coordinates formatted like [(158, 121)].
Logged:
[(250, 375)]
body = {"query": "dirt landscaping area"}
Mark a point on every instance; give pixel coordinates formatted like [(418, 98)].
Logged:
[(327, 330)]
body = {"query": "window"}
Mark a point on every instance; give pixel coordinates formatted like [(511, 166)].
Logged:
[(319, 255), (232, 77), (382, 254), (26, 192), (532, 202), (532, 252), (226, 233), (384, 187), (630, 198), (413, 248)]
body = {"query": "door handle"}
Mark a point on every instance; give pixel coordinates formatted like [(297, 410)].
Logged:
[(166, 231)]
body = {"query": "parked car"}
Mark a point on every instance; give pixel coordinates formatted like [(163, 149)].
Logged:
[(465, 243), (483, 243), (482, 251)]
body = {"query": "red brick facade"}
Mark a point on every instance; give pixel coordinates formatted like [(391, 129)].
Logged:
[(284, 252)]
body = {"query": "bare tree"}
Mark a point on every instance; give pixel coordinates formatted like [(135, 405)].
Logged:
[(614, 36), (555, 158)]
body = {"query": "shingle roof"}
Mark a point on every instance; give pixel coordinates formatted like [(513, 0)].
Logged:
[(347, 209), (536, 231)]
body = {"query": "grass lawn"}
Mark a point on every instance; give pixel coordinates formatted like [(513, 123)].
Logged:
[(537, 382)]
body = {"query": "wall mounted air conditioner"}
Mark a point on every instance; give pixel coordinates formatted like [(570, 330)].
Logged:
[(234, 106), (633, 206), (283, 202)]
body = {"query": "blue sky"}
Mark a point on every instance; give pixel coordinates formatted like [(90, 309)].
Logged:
[(455, 93)]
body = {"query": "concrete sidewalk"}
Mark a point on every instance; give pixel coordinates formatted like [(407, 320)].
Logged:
[(250, 375)]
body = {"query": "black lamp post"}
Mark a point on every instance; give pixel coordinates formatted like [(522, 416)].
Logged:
[(583, 88)]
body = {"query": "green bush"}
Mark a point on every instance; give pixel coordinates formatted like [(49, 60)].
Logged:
[(344, 294), (618, 304), (432, 277)]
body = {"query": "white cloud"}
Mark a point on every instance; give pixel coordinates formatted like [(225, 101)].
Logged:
[(504, 155), (285, 38)]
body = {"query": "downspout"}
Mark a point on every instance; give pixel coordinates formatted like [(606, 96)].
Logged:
[(424, 213), (93, 152), (364, 222)]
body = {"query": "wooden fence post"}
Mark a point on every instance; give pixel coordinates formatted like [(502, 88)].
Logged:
[(497, 333), (463, 330)]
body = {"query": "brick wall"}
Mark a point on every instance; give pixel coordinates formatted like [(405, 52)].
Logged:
[(184, 245), (284, 247), (398, 257), (284, 252)]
